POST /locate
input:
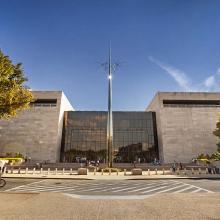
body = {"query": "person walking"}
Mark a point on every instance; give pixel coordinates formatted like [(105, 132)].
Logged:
[(2, 168), (2, 165), (174, 166), (134, 163)]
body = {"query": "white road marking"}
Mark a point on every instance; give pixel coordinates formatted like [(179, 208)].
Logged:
[(197, 190), (167, 190), (150, 185), (118, 187), (162, 187), (124, 189), (147, 187), (110, 189), (35, 185), (195, 187), (182, 190), (91, 189), (55, 187), (24, 185), (40, 188)]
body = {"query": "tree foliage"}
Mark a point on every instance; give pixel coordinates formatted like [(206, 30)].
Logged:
[(216, 132), (209, 159), (14, 96)]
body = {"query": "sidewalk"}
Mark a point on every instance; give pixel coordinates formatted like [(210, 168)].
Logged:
[(113, 176), (56, 206)]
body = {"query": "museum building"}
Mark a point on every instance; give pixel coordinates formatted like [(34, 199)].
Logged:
[(175, 126)]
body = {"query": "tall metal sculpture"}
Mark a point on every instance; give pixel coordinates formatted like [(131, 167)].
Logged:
[(109, 119)]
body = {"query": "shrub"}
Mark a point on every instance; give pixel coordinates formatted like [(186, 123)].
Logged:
[(203, 156), (14, 155), (215, 156), (208, 159)]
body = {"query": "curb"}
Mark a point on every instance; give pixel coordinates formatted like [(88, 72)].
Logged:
[(131, 178), (26, 177)]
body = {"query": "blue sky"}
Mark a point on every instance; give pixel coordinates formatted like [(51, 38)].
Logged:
[(163, 45)]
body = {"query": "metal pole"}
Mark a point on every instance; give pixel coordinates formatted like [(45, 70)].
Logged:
[(109, 120)]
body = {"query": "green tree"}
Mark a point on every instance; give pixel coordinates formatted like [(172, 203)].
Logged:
[(216, 132), (14, 95)]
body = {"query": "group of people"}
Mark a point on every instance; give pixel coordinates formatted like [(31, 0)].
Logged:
[(156, 162), (27, 159), (93, 163), (176, 165)]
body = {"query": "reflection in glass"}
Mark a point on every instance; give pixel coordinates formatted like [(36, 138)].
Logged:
[(85, 137)]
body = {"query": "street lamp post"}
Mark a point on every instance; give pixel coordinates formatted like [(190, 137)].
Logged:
[(109, 119)]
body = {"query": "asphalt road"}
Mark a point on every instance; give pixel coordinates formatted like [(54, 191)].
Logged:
[(210, 184), (11, 183), (110, 189)]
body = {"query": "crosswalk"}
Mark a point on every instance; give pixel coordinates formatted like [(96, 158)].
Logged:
[(110, 189)]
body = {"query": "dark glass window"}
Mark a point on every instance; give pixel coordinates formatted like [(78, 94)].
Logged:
[(191, 103), (134, 136), (44, 103)]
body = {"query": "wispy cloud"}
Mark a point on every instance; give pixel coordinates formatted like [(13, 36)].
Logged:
[(209, 81), (179, 76), (185, 83)]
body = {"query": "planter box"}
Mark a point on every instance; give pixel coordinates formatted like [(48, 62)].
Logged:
[(137, 171), (82, 171)]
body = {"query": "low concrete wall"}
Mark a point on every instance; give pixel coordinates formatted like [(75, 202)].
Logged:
[(82, 171), (137, 171)]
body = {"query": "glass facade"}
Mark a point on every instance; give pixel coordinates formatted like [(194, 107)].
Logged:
[(134, 136)]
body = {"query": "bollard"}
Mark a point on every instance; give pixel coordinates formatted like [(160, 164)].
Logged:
[(192, 171), (63, 171), (33, 171), (206, 170), (94, 171), (200, 171), (171, 170), (41, 170), (148, 171), (110, 171), (55, 171), (185, 171), (12, 170), (48, 171), (19, 170), (155, 171), (163, 172), (124, 172), (178, 171), (117, 172), (71, 171), (26, 170)]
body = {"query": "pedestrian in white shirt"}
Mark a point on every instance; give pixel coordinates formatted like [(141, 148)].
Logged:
[(2, 165)]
